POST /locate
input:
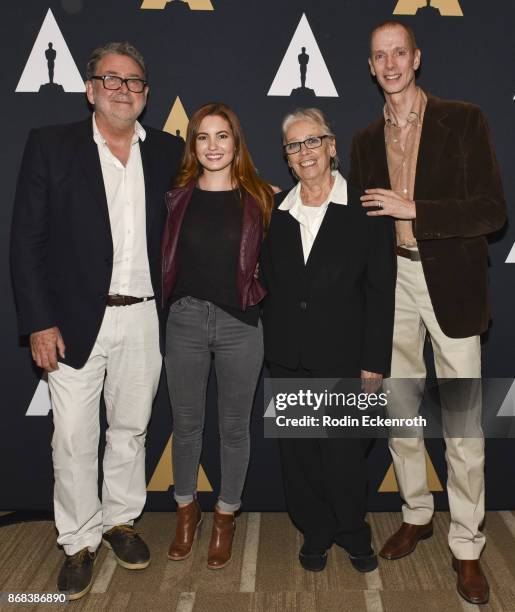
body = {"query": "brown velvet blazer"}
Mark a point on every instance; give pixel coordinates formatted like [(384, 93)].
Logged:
[(459, 200)]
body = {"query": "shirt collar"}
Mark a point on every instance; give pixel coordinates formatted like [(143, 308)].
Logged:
[(139, 132), (415, 114), (338, 194)]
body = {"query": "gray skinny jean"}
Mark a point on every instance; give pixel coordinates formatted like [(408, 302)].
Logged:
[(197, 329)]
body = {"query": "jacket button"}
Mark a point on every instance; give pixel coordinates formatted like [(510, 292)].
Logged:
[(303, 305)]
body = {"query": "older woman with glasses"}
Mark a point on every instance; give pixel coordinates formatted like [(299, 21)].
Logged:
[(329, 270)]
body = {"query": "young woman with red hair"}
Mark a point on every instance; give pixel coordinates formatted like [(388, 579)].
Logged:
[(217, 214)]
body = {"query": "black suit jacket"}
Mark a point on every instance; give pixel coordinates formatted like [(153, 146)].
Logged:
[(61, 243), (459, 200), (335, 311)]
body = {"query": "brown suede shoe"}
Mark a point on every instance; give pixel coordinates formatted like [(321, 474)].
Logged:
[(220, 546), (189, 519), (472, 584), (404, 541)]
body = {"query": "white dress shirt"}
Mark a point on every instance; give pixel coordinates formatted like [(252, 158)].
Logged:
[(125, 191), (310, 217)]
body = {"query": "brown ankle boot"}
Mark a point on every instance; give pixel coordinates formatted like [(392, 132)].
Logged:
[(220, 546), (189, 519)]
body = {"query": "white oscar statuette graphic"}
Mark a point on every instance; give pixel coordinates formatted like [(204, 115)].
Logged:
[(40, 403), (50, 66), (303, 70)]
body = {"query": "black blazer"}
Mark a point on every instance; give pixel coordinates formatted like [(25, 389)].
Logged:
[(61, 243), (335, 311)]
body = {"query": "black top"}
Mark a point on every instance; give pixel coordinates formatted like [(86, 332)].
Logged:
[(208, 251)]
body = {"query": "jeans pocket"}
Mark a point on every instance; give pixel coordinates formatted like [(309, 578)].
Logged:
[(180, 304)]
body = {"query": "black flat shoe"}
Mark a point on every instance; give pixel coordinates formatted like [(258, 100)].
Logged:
[(364, 562), (312, 561)]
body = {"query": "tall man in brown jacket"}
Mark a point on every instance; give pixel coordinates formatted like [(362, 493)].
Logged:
[(442, 220)]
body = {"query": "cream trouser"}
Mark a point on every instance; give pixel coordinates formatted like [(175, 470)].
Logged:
[(126, 362), (454, 358)]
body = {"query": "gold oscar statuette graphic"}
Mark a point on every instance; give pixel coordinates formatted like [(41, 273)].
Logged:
[(162, 478), (195, 5), (177, 122), (389, 484), (447, 8)]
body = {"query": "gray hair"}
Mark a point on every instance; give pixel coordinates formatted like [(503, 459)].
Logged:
[(316, 116), (118, 48)]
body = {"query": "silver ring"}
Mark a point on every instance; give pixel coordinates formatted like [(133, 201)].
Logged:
[(379, 204)]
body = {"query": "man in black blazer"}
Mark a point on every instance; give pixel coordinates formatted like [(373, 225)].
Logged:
[(85, 254)]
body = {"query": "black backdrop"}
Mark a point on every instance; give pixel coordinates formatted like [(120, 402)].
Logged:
[(232, 53)]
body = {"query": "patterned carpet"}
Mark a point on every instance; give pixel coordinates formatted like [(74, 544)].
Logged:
[(264, 574)]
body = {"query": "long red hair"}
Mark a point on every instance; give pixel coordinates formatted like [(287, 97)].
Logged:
[(243, 172)]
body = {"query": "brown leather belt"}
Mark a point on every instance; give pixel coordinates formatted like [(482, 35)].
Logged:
[(126, 300), (408, 253)]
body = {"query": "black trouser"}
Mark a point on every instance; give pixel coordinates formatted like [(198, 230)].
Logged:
[(325, 483)]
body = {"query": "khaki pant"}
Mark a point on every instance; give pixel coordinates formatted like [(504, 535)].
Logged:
[(454, 358), (126, 363)]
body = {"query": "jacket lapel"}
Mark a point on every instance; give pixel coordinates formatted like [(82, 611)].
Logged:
[(432, 143), (177, 201), (90, 165), (328, 235), (379, 161), (292, 242), (146, 151)]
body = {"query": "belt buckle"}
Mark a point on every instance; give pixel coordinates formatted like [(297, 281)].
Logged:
[(117, 300)]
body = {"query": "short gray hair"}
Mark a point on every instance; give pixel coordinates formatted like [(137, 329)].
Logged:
[(117, 48), (316, 116)]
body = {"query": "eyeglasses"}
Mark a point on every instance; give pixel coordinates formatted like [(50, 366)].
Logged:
[(113, 82), (313, 142)]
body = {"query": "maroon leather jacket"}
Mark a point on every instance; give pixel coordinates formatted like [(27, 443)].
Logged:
[(249, 289)]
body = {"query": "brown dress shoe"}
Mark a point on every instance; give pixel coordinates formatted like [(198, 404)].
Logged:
[(189, 519), (404, 541), (472, 584), (220, 546)]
